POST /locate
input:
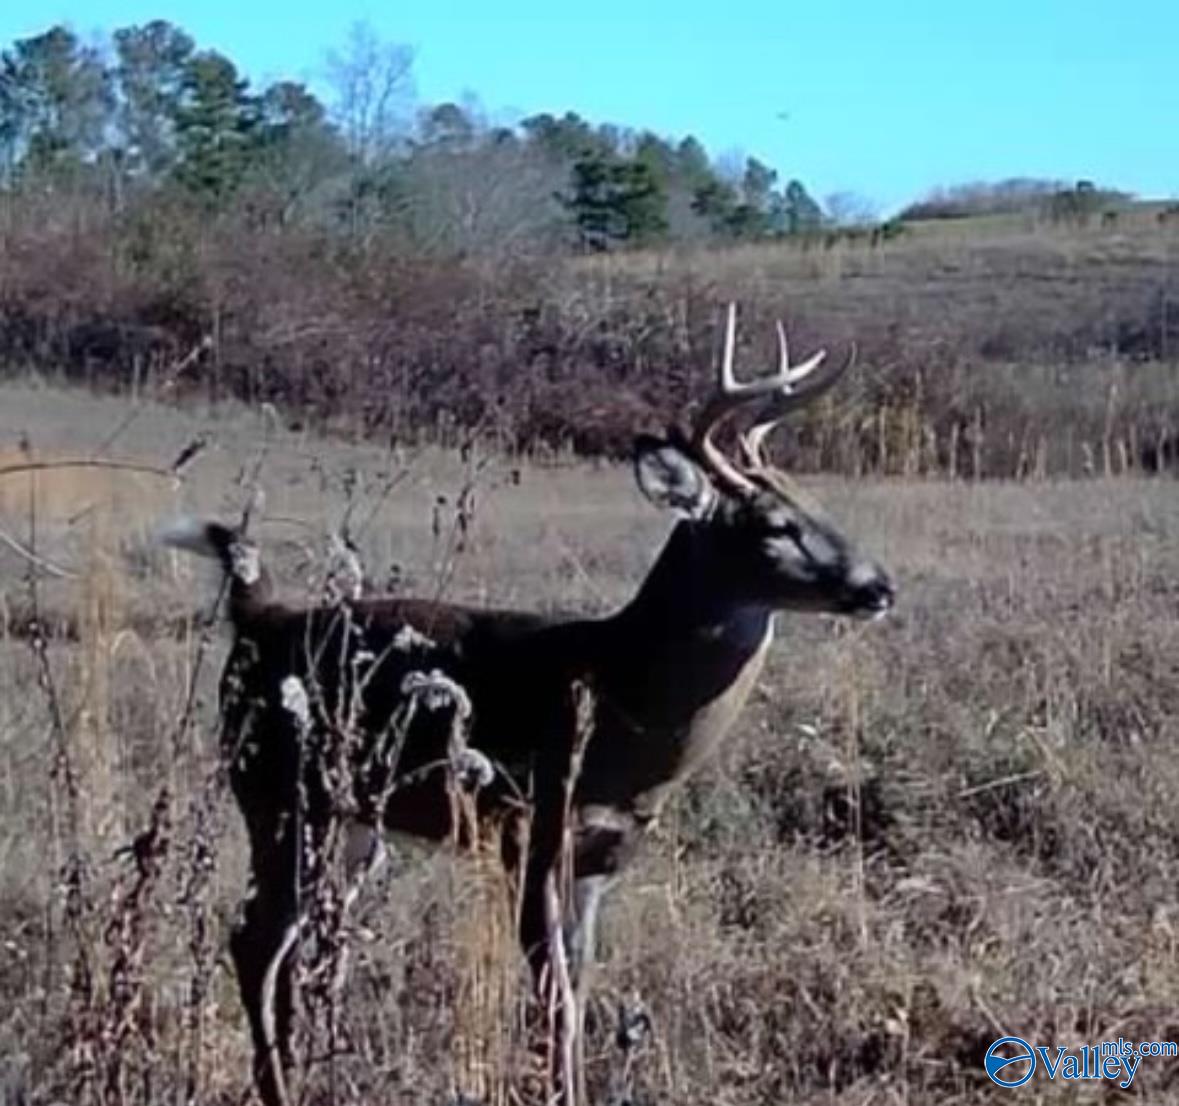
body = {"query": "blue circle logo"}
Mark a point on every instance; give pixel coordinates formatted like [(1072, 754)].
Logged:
[(1003, 1060)]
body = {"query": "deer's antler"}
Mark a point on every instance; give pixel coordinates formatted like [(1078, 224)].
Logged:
[(783, 391)]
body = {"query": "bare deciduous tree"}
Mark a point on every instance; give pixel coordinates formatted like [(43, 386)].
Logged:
[(373, 87), (496, 198), (850, 209)]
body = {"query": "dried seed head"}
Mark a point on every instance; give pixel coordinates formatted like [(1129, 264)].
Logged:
[(437, 691), (245, 562), (407, 639), (345, 571), (294, 700), (472, 768)]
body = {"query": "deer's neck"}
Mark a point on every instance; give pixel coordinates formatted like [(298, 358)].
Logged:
[(689, 636), (677, 664)]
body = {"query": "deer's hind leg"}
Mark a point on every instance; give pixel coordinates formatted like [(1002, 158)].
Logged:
[(264, 942), (261, 945)]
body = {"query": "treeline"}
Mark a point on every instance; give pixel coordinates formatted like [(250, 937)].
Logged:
[(149, 113), (373, 263)]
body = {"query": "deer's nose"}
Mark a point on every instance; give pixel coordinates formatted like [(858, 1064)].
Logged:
[(871, 592)]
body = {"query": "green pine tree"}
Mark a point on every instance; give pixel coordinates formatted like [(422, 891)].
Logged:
[(216, 127)]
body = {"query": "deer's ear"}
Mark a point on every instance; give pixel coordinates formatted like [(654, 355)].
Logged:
[(669, 478)]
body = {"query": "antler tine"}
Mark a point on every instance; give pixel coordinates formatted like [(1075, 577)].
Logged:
[(788, 399), (752, 441), (792, 374), (732, 394), (751, 444), (728, 381)]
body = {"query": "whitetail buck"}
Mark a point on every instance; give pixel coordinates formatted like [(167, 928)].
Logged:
[(669, 673)]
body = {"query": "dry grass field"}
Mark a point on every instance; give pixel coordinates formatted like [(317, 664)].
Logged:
[(958, 823)]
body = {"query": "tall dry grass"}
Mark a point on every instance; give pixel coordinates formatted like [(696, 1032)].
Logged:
[(957, 823)]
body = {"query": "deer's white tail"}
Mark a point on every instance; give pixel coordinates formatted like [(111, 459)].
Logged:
[(196, 535), (238, 556)]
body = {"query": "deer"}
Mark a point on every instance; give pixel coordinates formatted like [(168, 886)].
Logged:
[(670, 672)]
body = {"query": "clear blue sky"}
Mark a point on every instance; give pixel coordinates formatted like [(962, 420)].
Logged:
[(885, 99)]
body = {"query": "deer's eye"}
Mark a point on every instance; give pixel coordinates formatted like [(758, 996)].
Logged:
[(786, 528)]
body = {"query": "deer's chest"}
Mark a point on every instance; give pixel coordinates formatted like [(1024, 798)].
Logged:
[(668, 717)]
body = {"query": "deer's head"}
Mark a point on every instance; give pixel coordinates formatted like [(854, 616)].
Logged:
[(755, 535)]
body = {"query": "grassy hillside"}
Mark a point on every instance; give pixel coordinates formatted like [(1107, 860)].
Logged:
[(958, 823)]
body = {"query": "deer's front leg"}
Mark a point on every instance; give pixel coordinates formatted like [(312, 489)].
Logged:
[(604, 843), (581, 930)]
